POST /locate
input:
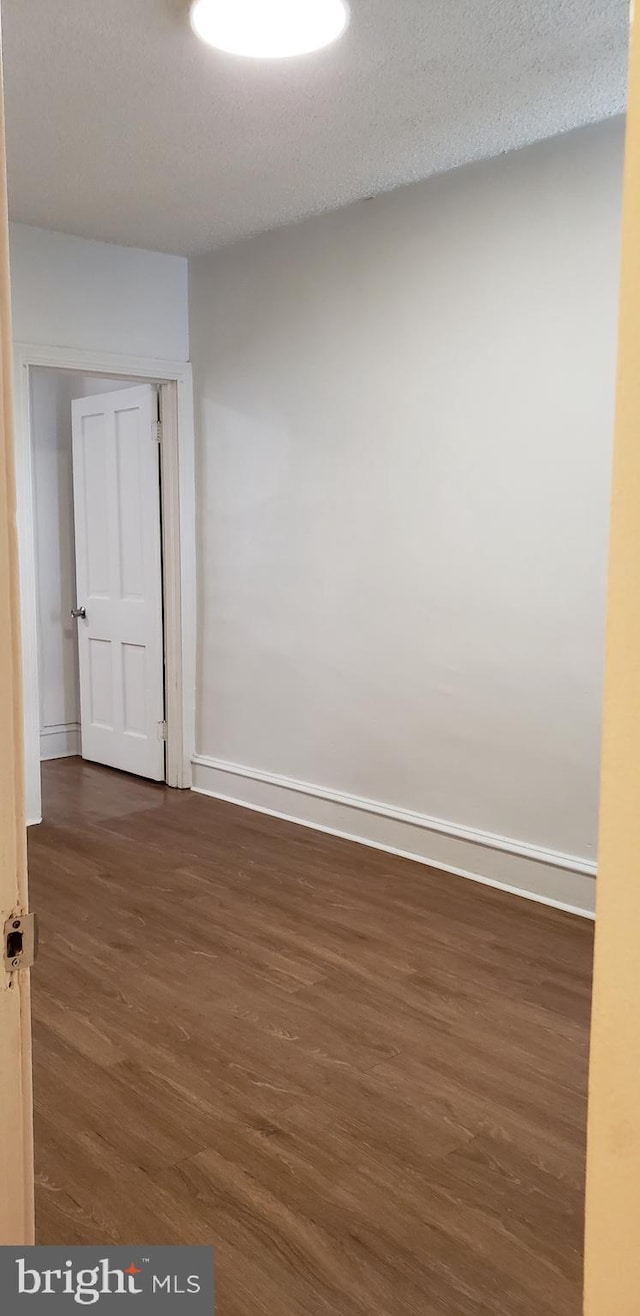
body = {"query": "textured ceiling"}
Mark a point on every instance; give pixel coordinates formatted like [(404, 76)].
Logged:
[(122, 126)]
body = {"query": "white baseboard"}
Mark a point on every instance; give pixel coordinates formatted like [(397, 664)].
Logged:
[(564, 881), (60, 742)]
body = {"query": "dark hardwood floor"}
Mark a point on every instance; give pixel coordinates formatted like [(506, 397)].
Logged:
[(361, 1079)]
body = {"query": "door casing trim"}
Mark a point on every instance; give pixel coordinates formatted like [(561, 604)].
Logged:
[(178, 542)]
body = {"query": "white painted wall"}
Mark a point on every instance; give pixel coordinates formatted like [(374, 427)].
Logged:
[(68, 292), (405, 418), (52, 392)]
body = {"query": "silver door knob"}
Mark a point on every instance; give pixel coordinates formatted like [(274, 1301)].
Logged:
[(78, 612)]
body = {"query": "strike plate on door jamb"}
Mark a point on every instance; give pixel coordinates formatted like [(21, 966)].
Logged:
[(20, 942)]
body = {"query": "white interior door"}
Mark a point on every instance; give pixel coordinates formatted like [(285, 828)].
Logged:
[(116, 489)]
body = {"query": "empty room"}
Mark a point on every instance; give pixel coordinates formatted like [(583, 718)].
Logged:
[(314, 344)]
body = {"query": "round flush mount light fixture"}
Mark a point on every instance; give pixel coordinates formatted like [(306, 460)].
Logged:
[(269, 29)]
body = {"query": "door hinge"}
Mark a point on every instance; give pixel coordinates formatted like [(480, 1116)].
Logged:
[(162, 731), (20, 942), (156, 431)]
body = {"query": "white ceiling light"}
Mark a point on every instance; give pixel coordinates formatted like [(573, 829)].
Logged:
[(269, 29)]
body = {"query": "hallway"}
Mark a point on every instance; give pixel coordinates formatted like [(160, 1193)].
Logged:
[(364, 1081)]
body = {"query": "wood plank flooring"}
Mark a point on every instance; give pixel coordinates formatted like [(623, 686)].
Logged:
[(362, 1080)]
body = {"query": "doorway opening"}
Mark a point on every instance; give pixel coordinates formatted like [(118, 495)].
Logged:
[(107, 549), (96, 462)]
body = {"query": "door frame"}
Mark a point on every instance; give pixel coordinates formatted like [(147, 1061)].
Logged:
[(177, 457), (16, 1097)]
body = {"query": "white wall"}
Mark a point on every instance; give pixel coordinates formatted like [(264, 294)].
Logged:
[(67, 292), (405, 416), (52, 393)]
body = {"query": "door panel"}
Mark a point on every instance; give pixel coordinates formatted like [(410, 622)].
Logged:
[(116, 484)]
